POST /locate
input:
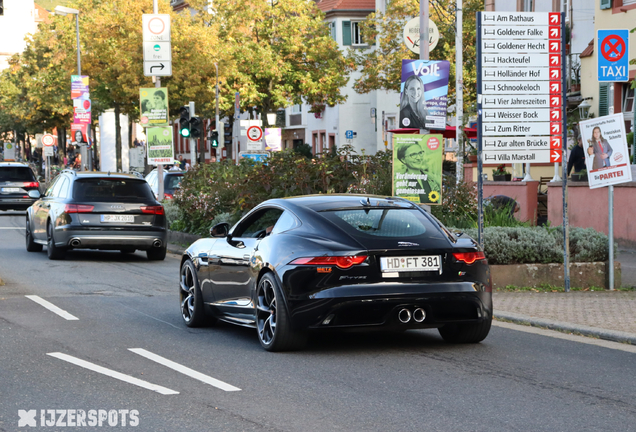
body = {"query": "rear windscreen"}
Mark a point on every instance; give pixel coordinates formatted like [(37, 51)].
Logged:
[(111, 189), (392, 222), (173, 181), (16, 174)]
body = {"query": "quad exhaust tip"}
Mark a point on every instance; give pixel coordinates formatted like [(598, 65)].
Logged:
[(75, 242), (404, 315), (419, 315), (156, 243)]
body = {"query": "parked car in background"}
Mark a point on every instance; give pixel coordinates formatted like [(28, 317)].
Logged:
[(171, 182), (17, 179), (337, 262), (96, 210)]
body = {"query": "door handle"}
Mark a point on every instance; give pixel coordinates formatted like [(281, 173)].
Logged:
[(203, 259)]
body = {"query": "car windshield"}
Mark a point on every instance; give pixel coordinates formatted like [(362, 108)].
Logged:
[(16, 174), (112, 189), (173, 181), (393, 222)]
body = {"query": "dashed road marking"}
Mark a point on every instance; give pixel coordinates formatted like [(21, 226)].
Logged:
[(184, 370), (113, 374), (50, 306), (16, 228)]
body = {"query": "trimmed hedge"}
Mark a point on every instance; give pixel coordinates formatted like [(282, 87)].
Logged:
[(526, 245)]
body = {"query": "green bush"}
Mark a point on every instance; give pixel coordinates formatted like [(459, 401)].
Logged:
[(527, 245)]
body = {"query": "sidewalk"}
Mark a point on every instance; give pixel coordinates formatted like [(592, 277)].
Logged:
[(609, 315)]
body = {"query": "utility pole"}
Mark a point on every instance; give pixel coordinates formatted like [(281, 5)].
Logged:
[(459, 92), (216, 119), (155, 10)]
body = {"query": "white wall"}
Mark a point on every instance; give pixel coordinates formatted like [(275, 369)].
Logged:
[(18, 21), (108, 156)]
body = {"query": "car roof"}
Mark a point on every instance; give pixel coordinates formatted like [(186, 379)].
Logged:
[(14, 164), (101, 174), (323, 202)]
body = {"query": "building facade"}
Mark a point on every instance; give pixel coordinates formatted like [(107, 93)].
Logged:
[(19, 19)]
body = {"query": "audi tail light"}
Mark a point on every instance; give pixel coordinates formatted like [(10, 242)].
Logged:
[(469, 257), (31, 184), (156, 210), (343, 262), (78, 208)]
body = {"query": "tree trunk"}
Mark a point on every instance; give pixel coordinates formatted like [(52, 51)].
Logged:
[(117, 139)]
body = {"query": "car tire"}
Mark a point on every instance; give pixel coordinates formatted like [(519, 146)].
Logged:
[(53, 252), (275, 332), (156, 254), (466, 333), (31, 246), (190, 297)]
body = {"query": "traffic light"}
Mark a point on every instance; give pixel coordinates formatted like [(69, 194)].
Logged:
[(184, 121), (196, 127), (214, 138)]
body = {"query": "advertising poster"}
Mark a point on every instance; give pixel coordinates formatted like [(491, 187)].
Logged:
[(423, 94), (81, 99), (9, 152), (606, 154), (79, 134), (153, 107), (273, 139), (160, 148), (417, 168)]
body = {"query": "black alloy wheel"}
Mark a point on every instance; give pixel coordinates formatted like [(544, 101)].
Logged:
[(53, 252), (31, 246), (272, 321), (190, 297)]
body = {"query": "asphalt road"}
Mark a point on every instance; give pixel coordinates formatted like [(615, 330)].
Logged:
[(513, 381)]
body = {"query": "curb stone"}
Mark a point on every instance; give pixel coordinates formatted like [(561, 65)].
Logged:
[(610, 335)]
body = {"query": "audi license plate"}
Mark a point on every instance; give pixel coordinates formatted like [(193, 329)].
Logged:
[(410, 264), (118, 218), (10, 190)]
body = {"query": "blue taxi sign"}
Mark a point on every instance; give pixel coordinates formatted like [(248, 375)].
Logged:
[(613, 55)]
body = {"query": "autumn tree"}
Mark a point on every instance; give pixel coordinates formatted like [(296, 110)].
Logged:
[(281, 53), (381, 67)]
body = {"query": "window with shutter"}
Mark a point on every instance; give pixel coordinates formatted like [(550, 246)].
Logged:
[(346, 32), (606, 4), (332, 26), (603, 99)]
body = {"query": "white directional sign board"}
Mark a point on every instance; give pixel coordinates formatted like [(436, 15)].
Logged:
[(156, 45), (521, 86)]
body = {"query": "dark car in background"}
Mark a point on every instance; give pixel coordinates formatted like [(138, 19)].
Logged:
[(171, 182), (96, 210), (337, 262), (16, 181)]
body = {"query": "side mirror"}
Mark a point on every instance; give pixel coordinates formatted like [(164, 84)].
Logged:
[(220, 230), (35, 194)]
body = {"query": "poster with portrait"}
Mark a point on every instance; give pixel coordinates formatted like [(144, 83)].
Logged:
[(424, 94), (80, 134), (417, 168), (273, 139), (160, 148), (153, 107), (606, 153)]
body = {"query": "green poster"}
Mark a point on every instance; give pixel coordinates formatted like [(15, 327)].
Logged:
[(417, 168), (153, 106), (160, 148)]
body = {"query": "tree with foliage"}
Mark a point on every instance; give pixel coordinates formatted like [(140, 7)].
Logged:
[(282, 53), (381, 68)]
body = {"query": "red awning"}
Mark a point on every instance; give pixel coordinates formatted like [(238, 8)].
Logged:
[(448, 133)]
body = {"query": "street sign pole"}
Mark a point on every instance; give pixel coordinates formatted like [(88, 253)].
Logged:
[(564, 185), (610, 193), (160, 189), (480, 163)]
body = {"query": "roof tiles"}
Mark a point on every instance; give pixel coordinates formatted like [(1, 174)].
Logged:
[(329, 5)]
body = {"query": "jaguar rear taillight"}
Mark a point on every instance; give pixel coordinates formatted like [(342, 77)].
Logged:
[(78, 208), (343, 262), (469, 257), (31, 184), (156, 210)]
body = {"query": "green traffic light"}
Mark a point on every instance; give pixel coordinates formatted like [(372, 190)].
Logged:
[(185, 132)]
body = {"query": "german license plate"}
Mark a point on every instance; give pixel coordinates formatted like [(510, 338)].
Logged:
[(10, 190), (410, 263), (118, 218)]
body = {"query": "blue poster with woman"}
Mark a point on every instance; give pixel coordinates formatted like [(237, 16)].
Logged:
[(424, 94)]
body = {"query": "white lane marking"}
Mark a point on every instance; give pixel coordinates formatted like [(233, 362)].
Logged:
[(184, 370), (18, 228), (113, 374), (50, 306), (569, 337)]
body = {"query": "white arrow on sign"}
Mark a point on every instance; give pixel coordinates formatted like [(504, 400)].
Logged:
[(555, 128), (554, 32), (554, 73), (554, 87), (554, 46), (555, 156), (555, 115), (555, 101), (554, 60), (554, 18)]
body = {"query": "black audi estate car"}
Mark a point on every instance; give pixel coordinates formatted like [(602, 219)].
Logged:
[(16, 181), (96, 210), (326, 262)]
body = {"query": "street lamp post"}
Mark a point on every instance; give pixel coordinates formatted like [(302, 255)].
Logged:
[(63, 10)]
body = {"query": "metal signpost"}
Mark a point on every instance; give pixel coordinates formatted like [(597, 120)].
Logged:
[(47, 150), (521, 93), (157, 57)]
